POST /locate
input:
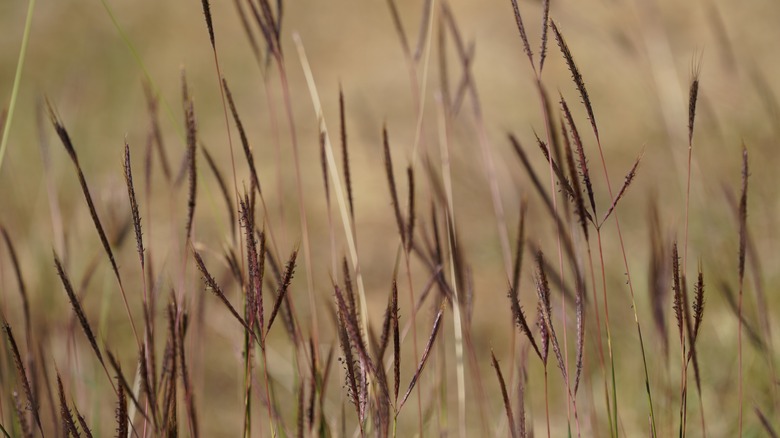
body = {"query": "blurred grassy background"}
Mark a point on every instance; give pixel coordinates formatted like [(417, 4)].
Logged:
[(636, 59)]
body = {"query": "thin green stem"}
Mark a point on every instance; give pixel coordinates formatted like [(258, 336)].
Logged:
[(17, 80)]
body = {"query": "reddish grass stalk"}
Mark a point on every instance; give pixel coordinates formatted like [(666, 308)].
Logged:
[(577, 77)]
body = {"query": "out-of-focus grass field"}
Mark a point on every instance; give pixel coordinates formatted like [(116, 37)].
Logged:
[(636, 58)]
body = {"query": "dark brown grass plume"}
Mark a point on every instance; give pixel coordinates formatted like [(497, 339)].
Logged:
[(543, 292), (78, 310), (82, 423), (582, 160), (223, 188), (242, 134), (426, 353), (579, 202), (576, 76), (134, 206), (523, 35), (545, 25), (121, 413), (742, 244), (507, 404), (192, 149), (289, 270), (68, 425), (693, 94), (66, 141), (28, 393), (626, 183), (211, 284), (393, 191), (521, 322), (209, 23), (345, 155)]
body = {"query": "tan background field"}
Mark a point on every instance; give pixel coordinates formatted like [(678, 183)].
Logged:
[(637, 59)]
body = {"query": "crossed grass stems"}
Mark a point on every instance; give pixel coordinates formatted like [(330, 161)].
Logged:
[(154, 393)]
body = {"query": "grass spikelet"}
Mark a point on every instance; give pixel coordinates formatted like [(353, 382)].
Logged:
[(192, 149), (545, 25), (68, 425), (242, 135), (521, 322), (693, 94), (82, 423), (396, 343), (426, 353), (765, 422), (345, 155), (20, 414), (253, 301), (349, 362), (576, 76), (78, 310), (410, 210), (139, 243), (152, 105), (393, 191), (189, 396), (626, 183), (387, 321), (399, 27), (562, 179), (223, 188), (20, 283), (66, 141), (582, 161), (123, 384), (146, 383), (543, 292), (523, 35), (209, 24), (507, 405), (17, 357), (289, 269), (742, 244), (211, 284), (519, 249), (579, 305), (121, 412), (658, 275), (677, 289), (579, 202)]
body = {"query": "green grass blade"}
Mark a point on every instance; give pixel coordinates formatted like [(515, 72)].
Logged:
[(17, 80)]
